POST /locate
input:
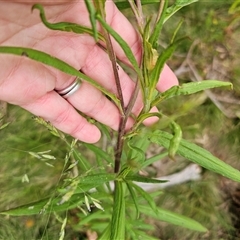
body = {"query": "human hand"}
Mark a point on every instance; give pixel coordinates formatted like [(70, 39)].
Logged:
[(32, 85)]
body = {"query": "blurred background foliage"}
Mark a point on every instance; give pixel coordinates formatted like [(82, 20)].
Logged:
[(210, 119)]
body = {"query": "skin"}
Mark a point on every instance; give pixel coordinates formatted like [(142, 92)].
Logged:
[(32, 85)]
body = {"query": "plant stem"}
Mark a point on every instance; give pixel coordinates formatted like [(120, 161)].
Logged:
[(119, 145), (161, 6), (121, 132), (112, 57), (140, 13), (137, 15), (113, 60), (125, 112)]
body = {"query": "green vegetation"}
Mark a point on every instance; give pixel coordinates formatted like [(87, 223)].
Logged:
[(49, 176)]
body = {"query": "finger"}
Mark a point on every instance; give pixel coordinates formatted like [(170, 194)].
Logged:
[(93, 103), (98, 66), (63, 116)]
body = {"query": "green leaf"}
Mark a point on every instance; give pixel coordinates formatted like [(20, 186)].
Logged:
[(91, 181), (153, 40), (135, 154), (118, 215), (96, 215), (125, 47), (139, 229), (82, 160), (197, 155), (106, 233), (190, 88), (99, 152), (57, 204), (153, 159), (176, 7), (56, 63), (155, 74), (138, 178), (134, 198), (46, 205), (125, 4), (92, 15), (176, 31), (83, 184), (173, 218), (69, 27), (125, 170), (145, 195)]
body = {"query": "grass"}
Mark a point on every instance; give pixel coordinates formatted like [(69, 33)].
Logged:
[(214, 55)]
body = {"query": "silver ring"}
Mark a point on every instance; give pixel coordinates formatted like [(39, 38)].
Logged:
[(68, 91)]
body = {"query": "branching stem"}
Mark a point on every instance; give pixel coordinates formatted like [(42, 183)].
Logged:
[(122, 128)]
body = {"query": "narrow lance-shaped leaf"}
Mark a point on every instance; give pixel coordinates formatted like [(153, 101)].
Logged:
[(67, 26), (163, 57), (47, 205), (173, 218), (150, 54), (125, 4), (134, 198), (92, 15), (138, 178), (177, 6), (57, 204), (99, 152), (135, 152), (106, 233), (153, 159), (176, 31), (94, 217), (158, 27), (118, 215), (94, 180), (56, 63), (145, 195), (197, 155), (189, 88), (85, 183), (125, 47)]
